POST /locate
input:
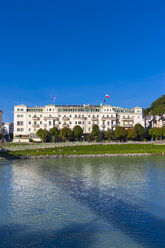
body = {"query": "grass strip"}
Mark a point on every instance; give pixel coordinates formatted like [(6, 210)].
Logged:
[(88, 149)]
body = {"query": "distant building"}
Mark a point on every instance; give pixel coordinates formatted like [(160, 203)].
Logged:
[(7, 128), (27, 120), (0, 121), (154, 121)]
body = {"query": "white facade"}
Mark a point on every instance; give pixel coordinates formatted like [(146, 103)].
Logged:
[(0, 121), (27, 120)]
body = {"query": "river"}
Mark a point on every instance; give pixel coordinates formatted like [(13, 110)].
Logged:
[(83, 202)]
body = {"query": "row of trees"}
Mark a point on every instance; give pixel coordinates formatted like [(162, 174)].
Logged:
[(66, 134), (157, 132)]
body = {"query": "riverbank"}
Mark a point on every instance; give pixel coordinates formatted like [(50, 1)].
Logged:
[(86, 151)]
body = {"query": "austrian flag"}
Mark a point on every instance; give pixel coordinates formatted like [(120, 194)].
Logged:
[(107, 96)]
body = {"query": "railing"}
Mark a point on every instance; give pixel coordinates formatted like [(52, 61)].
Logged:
[(35, 118), (108, 118), (65, 118), (65, 125), (51, 118), (35, 125)]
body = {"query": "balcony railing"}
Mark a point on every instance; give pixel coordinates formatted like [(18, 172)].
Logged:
[(65, 118), (50, 118), (36, 125), (108, 118), (65, 125), (127, 119), (36, 118), (94, 119), (80, 118)]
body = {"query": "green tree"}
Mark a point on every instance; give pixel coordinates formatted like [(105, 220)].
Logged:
[(44, 135), (155, 132), (120, 133), (66, 134), (39, 133), (131, 134), (78, 132), (96, 133), (109, 134), (157, 107), (163, 131), (55, 133), (140, 131)]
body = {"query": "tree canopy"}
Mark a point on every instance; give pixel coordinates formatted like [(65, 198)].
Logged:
[(140, 130), (96, 133), (44, 135), (66, 134), (120, 133), (155, 132), (55, 133), (157, 107), (78, 132), (131, 133), (109, 134)]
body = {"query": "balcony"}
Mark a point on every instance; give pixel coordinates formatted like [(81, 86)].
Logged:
[(108, 118), (94, 119), (35, 118), (65, 118), (80, 118), (127, 119), (50, 118), (65, 125), (35, 125)]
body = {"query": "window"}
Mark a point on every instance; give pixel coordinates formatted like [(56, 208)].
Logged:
[(40, 122), (19, 123), (29, 122), (89, 122), (79, 122), (29, 129), (40, 115), (49, 123), (19, 129), (29, 115), (75, 122)]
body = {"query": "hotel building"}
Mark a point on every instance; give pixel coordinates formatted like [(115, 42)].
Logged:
[(27, 120)]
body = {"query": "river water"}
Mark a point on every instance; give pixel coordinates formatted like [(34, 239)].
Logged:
[(83, 202)]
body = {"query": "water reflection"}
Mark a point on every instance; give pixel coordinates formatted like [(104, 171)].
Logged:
[(82, 202)]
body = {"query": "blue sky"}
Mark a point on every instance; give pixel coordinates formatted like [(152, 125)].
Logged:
[(79, 51)]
